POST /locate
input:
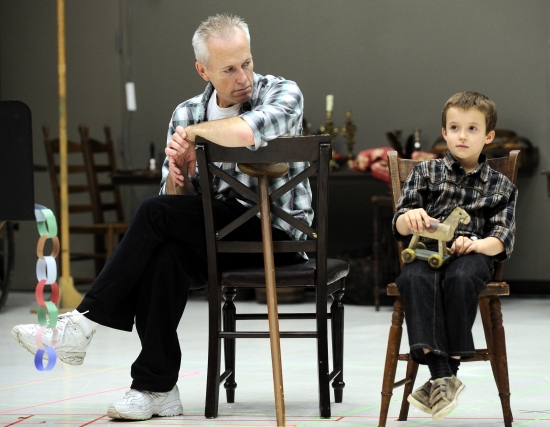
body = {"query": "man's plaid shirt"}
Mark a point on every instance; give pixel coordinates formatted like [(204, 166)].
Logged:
[(275, 109), (489, 197)]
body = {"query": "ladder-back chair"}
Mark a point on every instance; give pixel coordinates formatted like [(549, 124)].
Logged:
[(80, 202), (489, 307), (326, 276)]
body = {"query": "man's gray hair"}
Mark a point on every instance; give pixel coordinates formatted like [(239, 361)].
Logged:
[(222, 26)]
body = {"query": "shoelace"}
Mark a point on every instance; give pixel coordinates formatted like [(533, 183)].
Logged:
[(135, 392), (64, 320), (439, 392)]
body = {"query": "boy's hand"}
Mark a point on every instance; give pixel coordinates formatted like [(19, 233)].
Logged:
[(417, 219), (464, 245)]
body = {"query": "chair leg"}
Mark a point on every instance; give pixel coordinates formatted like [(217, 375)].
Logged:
[(392, 356), (229, 325), (337, 328), (487, 329), (501, 362), (214, 353), (322, 354), (412, 370)]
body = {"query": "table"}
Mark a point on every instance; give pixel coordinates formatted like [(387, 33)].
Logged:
[(137, 177)]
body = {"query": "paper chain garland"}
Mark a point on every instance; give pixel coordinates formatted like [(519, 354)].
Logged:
[(46, 273)]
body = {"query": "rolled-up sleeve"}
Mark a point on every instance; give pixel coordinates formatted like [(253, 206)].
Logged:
[(278, 113), (502, 223)]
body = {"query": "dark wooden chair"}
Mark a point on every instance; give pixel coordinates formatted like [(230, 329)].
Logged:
[(80, 202), (489, 307), (326, 276)]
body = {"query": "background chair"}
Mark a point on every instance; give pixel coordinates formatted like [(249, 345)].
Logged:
[(326, 276), (85, 214), (489, 307)]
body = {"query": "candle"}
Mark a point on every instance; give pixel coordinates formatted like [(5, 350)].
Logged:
[(330, 102)]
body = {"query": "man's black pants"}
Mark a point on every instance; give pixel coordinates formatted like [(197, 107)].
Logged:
[(149, 274)]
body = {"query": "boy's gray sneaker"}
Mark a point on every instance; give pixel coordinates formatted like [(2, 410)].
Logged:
[(420, 398), (142, 405), (72, 341), (444, 396)]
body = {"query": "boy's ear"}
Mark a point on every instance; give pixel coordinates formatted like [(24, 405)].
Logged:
[(489, 138), (444, 133)]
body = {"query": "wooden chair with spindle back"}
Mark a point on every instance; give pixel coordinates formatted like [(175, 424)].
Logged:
[(489, 307)]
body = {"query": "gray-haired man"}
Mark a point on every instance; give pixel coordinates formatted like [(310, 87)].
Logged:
[(163, 254)]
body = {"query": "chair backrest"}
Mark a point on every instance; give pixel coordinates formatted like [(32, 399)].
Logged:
[(401, 168), (80, 200), (316, 150), (100, 162)]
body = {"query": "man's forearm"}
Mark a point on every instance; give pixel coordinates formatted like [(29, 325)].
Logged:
[(231, 132)]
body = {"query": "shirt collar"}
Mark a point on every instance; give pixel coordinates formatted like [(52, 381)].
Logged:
[(482, 168)]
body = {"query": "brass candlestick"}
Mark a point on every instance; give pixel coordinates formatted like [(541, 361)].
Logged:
[(330, 129), (349, 130)]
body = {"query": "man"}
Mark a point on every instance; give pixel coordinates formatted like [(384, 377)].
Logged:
[(163, 254)]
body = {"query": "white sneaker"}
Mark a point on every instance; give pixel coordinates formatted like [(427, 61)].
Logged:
[(142, 405), (72, 341)]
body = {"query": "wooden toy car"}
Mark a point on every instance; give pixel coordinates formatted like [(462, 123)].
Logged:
[(442, 232)]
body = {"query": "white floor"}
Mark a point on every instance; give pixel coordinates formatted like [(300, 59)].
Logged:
[(79, 395)]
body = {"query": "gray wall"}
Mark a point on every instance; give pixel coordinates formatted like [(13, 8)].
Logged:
[(392, 63)]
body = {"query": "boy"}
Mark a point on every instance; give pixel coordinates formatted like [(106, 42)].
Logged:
[(441, 305)]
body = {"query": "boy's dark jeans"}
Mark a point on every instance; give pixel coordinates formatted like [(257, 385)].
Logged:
[(441, 305)]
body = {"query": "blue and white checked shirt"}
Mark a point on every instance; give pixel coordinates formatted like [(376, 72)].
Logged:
[(488, 196), (275, 109)]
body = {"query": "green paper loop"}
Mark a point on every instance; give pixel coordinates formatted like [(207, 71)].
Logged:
[(51, 311), (45, 221)]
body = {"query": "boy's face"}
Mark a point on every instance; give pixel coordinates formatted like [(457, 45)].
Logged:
[(466, 136)]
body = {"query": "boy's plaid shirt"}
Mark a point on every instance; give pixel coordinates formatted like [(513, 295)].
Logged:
[(488, 196)]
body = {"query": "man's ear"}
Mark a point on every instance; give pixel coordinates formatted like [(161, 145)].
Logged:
[(489, 138), (201, 69)]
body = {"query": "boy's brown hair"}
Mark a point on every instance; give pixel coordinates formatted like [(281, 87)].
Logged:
[(468, 100)]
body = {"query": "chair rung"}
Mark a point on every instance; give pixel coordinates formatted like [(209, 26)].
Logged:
[(225, 375), (333, 374), (295, 334), (263, 316), (402, 382)]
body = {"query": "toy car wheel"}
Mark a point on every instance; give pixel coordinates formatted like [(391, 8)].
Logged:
[(435, 261), (420, 245), (408, 255)]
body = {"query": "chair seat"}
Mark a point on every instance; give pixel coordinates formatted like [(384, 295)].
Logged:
[(292, 275), (492, 288)]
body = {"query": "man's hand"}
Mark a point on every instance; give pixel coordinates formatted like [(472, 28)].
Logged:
[(415, 220), (181, 153)]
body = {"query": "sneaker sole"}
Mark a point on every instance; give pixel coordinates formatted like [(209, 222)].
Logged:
[(69, 358), (419, 405), (171, 411), (450, 407)]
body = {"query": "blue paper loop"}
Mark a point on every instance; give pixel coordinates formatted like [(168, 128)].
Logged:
[(52, 358)]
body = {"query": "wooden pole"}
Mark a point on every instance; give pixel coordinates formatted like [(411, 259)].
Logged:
[(271, 294), (70, 298)]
